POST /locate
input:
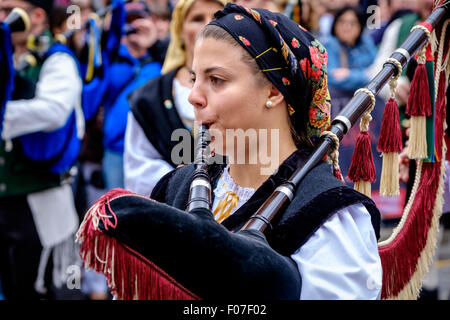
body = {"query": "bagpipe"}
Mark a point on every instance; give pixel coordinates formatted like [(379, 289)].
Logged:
[(150, 250)]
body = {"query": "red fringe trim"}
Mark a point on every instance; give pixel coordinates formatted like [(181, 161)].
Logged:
[(129, 274), (441, 112), (362, 166), (399, 259), (89, 225), (390, 139), (419, 103)]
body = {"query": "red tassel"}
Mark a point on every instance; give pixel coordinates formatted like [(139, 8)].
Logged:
[(419, 103), (390, 139), (362, 166), (338, 174)]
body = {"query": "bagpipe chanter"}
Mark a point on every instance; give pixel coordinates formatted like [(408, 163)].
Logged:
[(158, 270)]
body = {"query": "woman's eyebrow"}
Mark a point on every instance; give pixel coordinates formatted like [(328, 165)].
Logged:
[(210, 70), (214, 68)]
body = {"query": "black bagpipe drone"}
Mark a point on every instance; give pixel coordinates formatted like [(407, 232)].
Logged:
[(161, 252)]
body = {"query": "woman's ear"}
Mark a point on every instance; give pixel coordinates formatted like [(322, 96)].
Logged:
[(275, 96)]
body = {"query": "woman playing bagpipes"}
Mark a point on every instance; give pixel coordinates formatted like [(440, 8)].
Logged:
[(270, 77), (256, 85), (199, 236)]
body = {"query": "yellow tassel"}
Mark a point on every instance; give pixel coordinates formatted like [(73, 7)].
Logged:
[(90, 66), (389, 182), (417, 147), (365, 187), (224, 207)]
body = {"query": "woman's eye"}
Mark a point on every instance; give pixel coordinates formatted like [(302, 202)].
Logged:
[(216, 81)]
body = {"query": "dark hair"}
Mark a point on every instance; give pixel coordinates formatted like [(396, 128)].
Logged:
[(359, 15), (299, 134), (58, 18)]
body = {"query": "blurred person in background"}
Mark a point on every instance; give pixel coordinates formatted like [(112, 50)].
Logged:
[(89, 184), (161, 106), (350, 51), (263, 4), (131, 68), (390, 11), (19, 39), (327, 10), (41, 137), (393, 37), (86, 9), (304, 12), (310, 16), (161, 18), (161, 21)]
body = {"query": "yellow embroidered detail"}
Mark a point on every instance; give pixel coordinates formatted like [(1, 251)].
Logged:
[(266, 70), (259, 55), (224, 207)]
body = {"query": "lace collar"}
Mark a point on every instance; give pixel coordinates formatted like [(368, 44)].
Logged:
[(226, 183)]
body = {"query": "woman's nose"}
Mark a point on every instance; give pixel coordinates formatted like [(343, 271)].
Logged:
[(196, 96)]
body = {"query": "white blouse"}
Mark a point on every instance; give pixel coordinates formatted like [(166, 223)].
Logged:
[(339, 261)]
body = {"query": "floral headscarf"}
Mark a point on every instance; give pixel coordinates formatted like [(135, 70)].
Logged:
[(291, 58)]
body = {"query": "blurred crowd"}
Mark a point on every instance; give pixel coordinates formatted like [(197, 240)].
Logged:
[(123, 78)]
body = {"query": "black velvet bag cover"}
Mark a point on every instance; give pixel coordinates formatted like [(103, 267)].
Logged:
[(202, 255)]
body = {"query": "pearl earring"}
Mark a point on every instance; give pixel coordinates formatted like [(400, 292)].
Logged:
[(269, 104)]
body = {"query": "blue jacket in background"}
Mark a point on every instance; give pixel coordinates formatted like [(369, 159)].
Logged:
[(119, 74), (94, 90), (359, 57), (125, 75)]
